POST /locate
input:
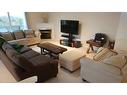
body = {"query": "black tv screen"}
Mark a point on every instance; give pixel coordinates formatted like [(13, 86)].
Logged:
[(70, 26)]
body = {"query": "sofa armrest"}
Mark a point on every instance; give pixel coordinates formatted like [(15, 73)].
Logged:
[(87, 63), (87, 60), (26, 64), (54, 63)]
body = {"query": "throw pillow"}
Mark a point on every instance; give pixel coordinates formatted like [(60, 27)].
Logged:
[(17, 47), (29, 33), (104, 53), (2, 40), (100, 49), (118, 61)]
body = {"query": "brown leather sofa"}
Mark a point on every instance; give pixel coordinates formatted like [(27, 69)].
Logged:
[(23, 37), (27, 63)]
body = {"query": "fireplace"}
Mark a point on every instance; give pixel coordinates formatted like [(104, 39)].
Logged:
[(45, 33)]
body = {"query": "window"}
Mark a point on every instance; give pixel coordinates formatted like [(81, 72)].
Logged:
[(10, 21)]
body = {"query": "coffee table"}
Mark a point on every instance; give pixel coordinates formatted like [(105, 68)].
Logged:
[(52, 50)]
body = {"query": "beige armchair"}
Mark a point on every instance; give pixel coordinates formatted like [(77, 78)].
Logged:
[(111, 69)]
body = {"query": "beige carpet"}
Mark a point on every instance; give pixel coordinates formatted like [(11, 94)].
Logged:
[(5, 75)]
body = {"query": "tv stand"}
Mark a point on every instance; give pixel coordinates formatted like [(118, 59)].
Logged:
[(70, 41)]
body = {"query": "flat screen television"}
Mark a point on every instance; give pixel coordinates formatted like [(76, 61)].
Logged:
[(69, 26)]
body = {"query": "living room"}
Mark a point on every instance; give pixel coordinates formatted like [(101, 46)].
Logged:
[(112, 24)]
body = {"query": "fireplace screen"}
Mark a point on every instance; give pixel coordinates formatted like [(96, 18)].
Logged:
[(45, 33)]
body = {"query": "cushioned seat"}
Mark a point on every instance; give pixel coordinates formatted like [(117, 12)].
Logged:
[(97, 72), (107, 67), (37, 60), (30, 54), (23, 41), (71, 59), (25, 49), (44, 66)]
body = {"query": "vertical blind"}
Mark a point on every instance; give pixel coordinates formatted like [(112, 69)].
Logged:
[(11, 21)]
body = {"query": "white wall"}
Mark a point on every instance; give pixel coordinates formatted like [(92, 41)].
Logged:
[(121, 38), (91, 23)]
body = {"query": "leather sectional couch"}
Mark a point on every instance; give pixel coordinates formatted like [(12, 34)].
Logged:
[(27, 62)]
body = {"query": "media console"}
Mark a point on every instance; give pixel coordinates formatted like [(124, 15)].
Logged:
[(70, 41)]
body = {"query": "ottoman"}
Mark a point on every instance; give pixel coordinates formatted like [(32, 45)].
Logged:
[(71, 60)]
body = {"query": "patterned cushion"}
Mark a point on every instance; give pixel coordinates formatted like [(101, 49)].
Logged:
[(105, 53), (8, 36), (29, 33), (18, 34)]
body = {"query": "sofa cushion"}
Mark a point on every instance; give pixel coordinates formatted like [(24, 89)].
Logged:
[(33, 40), (25, 49), (90, 66), (29, 33), (26, 64), (23, 41), (8, 36), (6, 46), (122, 52), (18, 34), (104, 53), (118, 61), (29, 54), (39, 60), (14, 56), (19, 60)]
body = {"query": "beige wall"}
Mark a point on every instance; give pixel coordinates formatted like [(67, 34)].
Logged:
[(121, 38), (91, 23), (113, 24), (36, 18)]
